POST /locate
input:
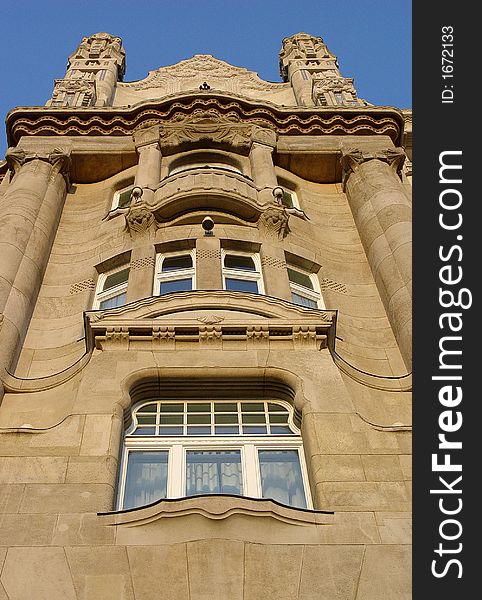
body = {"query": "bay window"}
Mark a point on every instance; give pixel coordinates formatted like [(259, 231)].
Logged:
[(242, 272), (175, 272), (174, 449)]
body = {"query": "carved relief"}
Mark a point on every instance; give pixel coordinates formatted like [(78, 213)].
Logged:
[(274, 221), (352, 158), (206, 125), (140, 220), (58, 158)]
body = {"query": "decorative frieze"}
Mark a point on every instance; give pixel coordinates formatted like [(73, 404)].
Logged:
[(82, 286), (147, 262)]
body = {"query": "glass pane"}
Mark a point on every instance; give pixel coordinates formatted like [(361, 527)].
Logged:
[(303, 301), (174, 263), (199, 419), (145, 431), (242, 285), (281, 430), (197, 408), (254, 429), (232, 418), (125, 198), (300, 278), (172, 408), (151, 408), (260, 418), (287, 199), (225, 407), (281, 477), (213, 472), (236, 261), (170, 430), (115, 279), (177, 285), (146, 419), (278, 418), (252, 407), (198, 430), (276, 408), (172, 419), (226, 430), (146, 478), (114, 302)]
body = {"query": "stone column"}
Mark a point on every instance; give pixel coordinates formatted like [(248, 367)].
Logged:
[(383, 216), (208, 264), (140, 220), (29, 217), (262, 167), (302, 86)]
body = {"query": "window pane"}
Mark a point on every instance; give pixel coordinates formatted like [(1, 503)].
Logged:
[(276, 408), (199, 419), (303, 301), (170, 430), (224, 419), (254, 418), (114, 302), (124, 198), (287, 199), (172, 408), (150, 408), (225, 407), (145, 431), (199, 430), (300, 278), (146, 478), (254, 429), (146, 419), (197, 408), (213, 472), (171, 419), (226, 430), (281, 477), (242, 285), (278, 418), (252, 407), (174, 263), (115, 279), (177, 285), (281, 430), (237, 261)]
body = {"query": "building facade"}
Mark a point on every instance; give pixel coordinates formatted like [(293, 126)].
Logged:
[(205, 335)]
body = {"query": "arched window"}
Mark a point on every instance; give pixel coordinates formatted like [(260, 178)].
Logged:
[(112, 288), (305, 290), (242, 271), (175, 272), (174, 449)]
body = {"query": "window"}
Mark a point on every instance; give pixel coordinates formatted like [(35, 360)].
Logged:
[(203, 161), (176, 448), (122, 198), (289, 199), (112, 288), (242, 272), (175, 272), (304, 288)]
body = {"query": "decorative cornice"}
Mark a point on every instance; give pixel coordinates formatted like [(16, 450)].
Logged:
[(178, 108)]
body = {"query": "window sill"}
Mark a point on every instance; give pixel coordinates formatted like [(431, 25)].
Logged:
[(213, 516)]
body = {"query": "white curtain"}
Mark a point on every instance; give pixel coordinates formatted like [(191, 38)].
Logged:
[(281, 477), (215, 472), (146, 478)]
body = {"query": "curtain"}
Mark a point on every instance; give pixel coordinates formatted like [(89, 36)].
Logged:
[(146, 478), (281, 477), (213, 472)]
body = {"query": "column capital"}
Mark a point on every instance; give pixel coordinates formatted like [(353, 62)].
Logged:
[(143, 138), (263, 136), (59, 158), (353, 158)]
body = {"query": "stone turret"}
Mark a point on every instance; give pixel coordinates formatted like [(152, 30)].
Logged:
[(313, 71), (92, 73)]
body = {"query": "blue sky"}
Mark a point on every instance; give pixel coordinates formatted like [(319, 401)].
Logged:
[(371, 38)]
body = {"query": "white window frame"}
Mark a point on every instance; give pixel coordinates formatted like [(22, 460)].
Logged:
[(161, 277), (229, 273), (178, 446), (301, 290), (117, 194), (101, 296), (294, 196)]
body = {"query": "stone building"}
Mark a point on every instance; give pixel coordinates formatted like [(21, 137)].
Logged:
[(205, 343)]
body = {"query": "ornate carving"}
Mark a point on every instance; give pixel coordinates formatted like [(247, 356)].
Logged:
[(274, 220), (100, 45), (82, 286), (59, 158), (264, 136), (271, 261), (210, 319), (206, 125), (147, 262), (140, 220), (352, 158), (15, 158), (210, 335)]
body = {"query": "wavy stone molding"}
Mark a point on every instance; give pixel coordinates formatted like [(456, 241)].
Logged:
[(236, 517), (124, 121)]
